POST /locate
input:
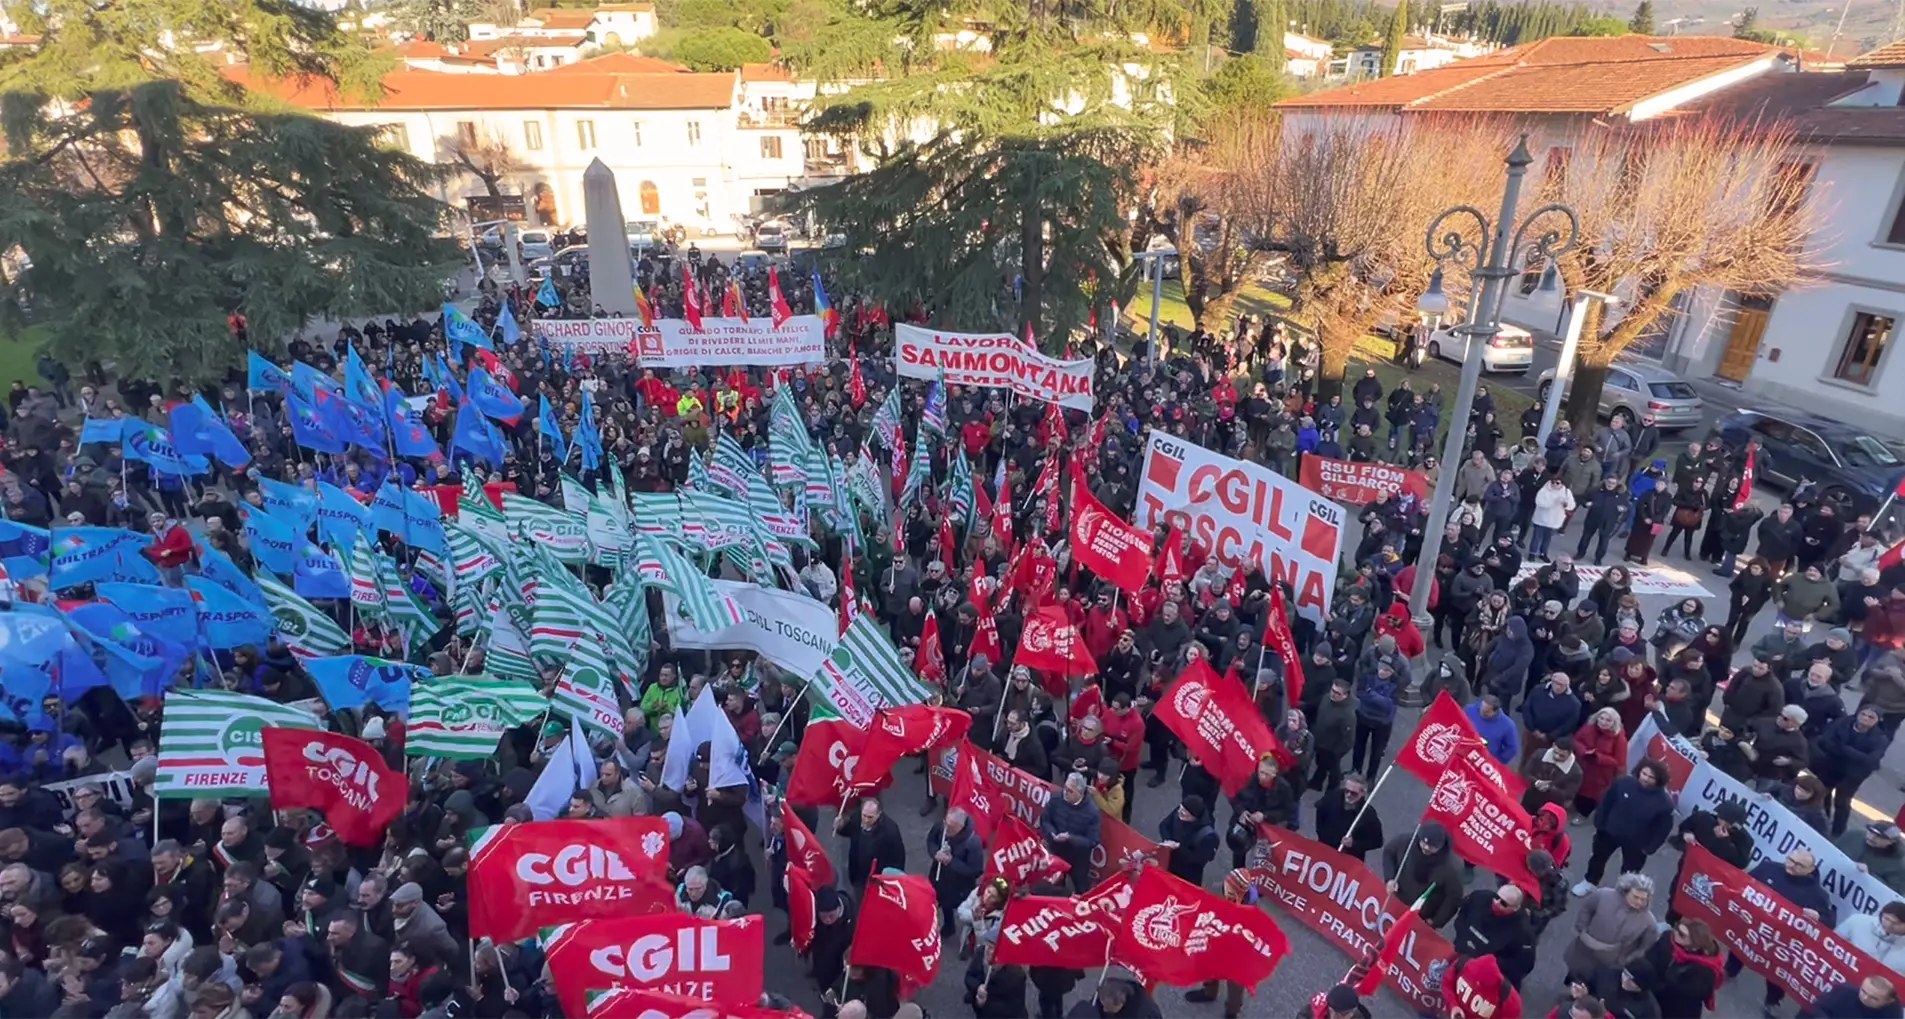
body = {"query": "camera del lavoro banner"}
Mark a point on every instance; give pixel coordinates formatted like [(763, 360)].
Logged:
[(1244, 512), (673, 343), (991, 359)]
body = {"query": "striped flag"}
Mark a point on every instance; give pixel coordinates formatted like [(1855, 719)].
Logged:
[(306, 630), (367, 589), (865, 673), (462, 718), (507, 653), (564, 534), (588, 693), (919, 471), (472, 559), (476, 512), (788, 440), (210, 743), (660, 564), (959, 489), (732, 468), (404, 610), (886, 420)]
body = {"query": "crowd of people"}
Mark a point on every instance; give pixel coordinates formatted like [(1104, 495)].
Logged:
[(219, 910)]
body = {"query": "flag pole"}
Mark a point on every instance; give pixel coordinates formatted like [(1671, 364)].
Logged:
[(768, 744)]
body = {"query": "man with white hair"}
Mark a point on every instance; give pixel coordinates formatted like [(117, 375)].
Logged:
[(1071, 829), (958, 860), (1779, 749)]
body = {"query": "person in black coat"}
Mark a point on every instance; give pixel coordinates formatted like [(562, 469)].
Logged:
[(1191, 836), (999, 996), (1338, 810), (958, 860), (1265, 799), (1721, 831), (1846, 754), (872, 840), (833, 935), (1494, 921), (1873, 997), (25, 991), (1682, 970), (1635, 817)]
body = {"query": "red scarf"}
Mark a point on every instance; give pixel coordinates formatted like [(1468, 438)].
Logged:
[(1711, 962)]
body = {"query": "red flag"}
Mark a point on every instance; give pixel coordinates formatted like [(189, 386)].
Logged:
[(899, 485), (1746, 478), (1446, 734), (856, 382), (1094, 441), (1064, 932), (1047, 489), (1018, 854), (1049, 642), (828, 749), (985, 637), (1171, 560), (974, 793), (898, 930), (1107, 546), (849, 600), (930, 660), (803, 850), (947, 544), (803, 913), (782, 312), (623, 1002), (1277, 637), (1053, 429), (690, 298), (1394, 940), (1487, 827), (720, 961), (1174, 932), (1002, 515), (524, 877), (1218, 721), (345, 778), (899, 731)]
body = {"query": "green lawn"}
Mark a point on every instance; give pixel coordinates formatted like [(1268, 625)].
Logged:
[(18, 354), (1372, 352)]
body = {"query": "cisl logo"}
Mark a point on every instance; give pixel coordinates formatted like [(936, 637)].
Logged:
[(355, 779)]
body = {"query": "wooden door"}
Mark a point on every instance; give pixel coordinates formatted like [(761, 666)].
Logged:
[(1742, 343)]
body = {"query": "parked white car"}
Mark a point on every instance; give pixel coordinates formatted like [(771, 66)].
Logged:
[(1512, 349)]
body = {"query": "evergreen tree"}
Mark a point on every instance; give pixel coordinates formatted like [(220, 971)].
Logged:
[(1271, 23), (445, 21), (1643, 23), (1243, 26), (153, 195), (1392, 43)]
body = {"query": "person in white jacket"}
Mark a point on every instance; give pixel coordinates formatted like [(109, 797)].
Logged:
[(1553, 503), (1880, 935)]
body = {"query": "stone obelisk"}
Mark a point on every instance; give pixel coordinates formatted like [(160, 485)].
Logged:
[(611, 273)]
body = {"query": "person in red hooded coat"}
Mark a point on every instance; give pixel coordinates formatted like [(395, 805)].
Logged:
[(1396, 623), (1476, 989)]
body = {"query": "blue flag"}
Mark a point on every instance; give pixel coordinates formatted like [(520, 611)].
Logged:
[(320, 574), (226, 619), (351, 681), (267, 377), (135, 662), (340, 518), (200, 431), (448, 377), (359, 425), (294, 504), (217, 567), (476, 436), (24, 550), (30, 639), (422, 520), (546, 294), (407, 431), (272, 541), (387, 508), (359, 385), (493, 398), (87, 555), (506, 321), (589, 435), (168, 613), (150, 444), (459, 329), (107, 430), (552, 431), (310, 430)]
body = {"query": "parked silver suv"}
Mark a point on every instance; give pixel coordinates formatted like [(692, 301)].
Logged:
[(1635, 388)]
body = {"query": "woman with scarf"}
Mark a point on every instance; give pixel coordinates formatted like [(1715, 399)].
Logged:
[(1684, 969), (1601, 747)]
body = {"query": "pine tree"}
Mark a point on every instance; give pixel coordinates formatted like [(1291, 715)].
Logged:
[(1271, 23), (1643, 23), (1392, 43), (154, 196)]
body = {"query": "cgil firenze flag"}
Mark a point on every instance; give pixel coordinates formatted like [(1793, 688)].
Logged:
[(715, 961), (345, 778), (524, 877)]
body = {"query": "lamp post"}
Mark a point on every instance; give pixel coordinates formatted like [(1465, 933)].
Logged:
[(1153, 259), (1564, 368), (1491, 261)]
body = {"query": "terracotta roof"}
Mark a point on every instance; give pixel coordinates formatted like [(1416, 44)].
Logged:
[(420, 49), (1558, 75), (627, 8), (1804, 103), (19, 40), (481, 48), (619, 63), (556, 18), (1892, 54), (1290, 54), (432, 90), (765, 72)]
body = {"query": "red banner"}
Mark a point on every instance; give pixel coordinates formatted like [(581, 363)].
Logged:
[(1018, 854), (803, 912), (1486, 826), (1176, 933), (524, 877), (671, 953), (1359, 483), (1218, 721), (828, 751), (803, 849), (1340, 898), (345, 778), (897, 732), (898, 930), (972, 793), (1767, 933), (1278, 638), (1119, 847), (1050, 643), (1106, 545), (1446, 734), (1064, 932)]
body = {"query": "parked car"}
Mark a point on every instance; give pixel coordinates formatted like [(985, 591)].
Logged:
[(1848, 465), (1634, 389), (643, 233), (536, 244), (753, 260), (771, 236), (1512, 349)]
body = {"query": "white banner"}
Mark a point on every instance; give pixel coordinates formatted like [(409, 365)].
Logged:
[(675, 344), (1244, 511), (1646, 580), (1776, 831), (117, 785), (998, 360), (791, 630)]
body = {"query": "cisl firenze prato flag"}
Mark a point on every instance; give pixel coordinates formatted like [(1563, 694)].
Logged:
[(524, 877), (345, 778)]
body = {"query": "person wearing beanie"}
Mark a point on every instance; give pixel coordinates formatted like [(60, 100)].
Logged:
[(1476, 987), (1339, 1002), (1192, 837), (833, 934), (1420, 862)]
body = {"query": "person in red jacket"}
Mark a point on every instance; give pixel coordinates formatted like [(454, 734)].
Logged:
[(1103, 623), (1476, 989), (1124, 730), (171, 548), (1396, 623)]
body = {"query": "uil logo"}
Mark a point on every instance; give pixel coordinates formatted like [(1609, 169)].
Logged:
[(1452, 795), (1436, 743), (1155, 927)]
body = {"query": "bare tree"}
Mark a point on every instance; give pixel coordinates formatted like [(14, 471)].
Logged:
[(1668, 209), (489, 159)]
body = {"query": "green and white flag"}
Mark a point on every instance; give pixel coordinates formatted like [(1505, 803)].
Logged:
[(405, 611), (210, 743), (659, 564), (629, 601), (661, 513), (367, 587), (698, 477), (463, 718), (886, 421), (863, 483), (588, 693), (733, 469), (864, 673), (472, 556), (959, 488), (476, 512), (564, 534), (788, 441), (507, 653), (308, 632), (919, 471)]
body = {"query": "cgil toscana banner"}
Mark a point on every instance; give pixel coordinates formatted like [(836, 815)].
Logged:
[(673, 343), (999, 360)]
